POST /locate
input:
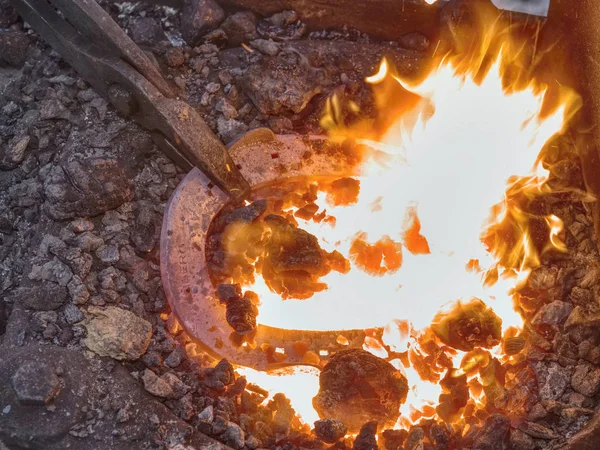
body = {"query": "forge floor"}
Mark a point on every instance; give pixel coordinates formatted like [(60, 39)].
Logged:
[(82, 194)]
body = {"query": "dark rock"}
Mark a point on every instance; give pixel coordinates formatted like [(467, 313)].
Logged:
[(219, 377), (6, 226), (233, 436), (521, 441), (553, 313), (285, 82), (72, 314), (330, 430), (366, 439), (13, 48), (440, 436), (35, 383), (586, 379), (414, 440), (157, 385), (42, 296), (175, 56), (240, 27), (146, 31), (241, 315), (176, 357), (266, 46), (108, 254), (553, 379), (245, 214), (198, 18), (229, 292), (12, 154), (537, 430), (53, 108), (8, 15), (494, 435), (587, 438), (145, 231), (85, 186), (393, 439), (356, 386)]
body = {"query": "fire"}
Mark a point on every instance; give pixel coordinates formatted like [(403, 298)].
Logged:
[(443, 215)]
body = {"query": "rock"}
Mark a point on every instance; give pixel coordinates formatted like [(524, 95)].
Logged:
[(117, 333), (198, 18), (175, 57), (287, 82), (72, 314), (393, 439), (233, 436), (521, 441), (283, 18), (177, 386), (586, 379), (12, 155), (366, 439), (156, 385), (35, 383), (553, 379), (228, 110), (85, 186), (146, 31), (330, 430), (240, 27), (345, 381), (145, 232), (494, 435), (8, 15), (78, 291), (587, 438), (54, 109), (42, 296), (219, 377), (13, 48), (176, 357), (537, 430), (266, 46), (230, 129), (241, 315), (108, 254), (553, 313)]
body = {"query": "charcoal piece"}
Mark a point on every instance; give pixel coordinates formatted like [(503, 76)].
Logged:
[(356, 386), (229, 292), (468, 325), (343, 192), (241, 315), (414, 441), (366, 437), (330, 430), (146, 31), (240, 27)]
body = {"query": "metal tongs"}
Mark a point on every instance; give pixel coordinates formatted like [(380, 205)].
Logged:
[(96, 47)]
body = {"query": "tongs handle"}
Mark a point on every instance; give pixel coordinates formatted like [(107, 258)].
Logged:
[(90, 41)]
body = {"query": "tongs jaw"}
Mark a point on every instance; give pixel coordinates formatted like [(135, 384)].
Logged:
[(90, 41)]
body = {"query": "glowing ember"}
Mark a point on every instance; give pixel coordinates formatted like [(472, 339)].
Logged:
[(440, 214)]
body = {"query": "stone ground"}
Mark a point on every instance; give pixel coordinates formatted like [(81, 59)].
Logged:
[(85, 343)]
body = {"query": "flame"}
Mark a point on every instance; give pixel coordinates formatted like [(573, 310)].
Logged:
[(445, 211)]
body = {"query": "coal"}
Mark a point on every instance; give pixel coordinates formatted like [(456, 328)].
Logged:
[(229, 292), (356, 386), (330, 430), (198, 18), (393, 439), (240, 28), (468, 325), (219, 377), (494, 435), (366, 437), (241, 315)]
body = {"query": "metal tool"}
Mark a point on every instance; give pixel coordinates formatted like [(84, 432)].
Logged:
[(90, 41)]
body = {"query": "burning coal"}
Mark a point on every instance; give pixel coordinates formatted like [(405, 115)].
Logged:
[(426, 245)]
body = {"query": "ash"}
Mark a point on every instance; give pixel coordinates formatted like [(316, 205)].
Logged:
[(90, 357)]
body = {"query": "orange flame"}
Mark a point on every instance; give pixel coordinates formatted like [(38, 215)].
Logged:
[(468, 155)]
